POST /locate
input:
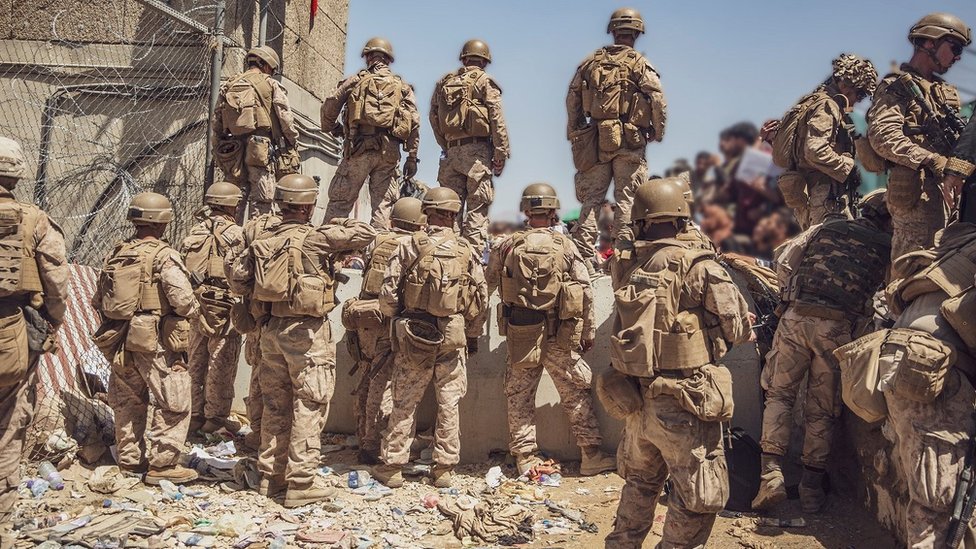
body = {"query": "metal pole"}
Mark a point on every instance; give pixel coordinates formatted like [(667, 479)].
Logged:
[(263, 23), (216, 64)]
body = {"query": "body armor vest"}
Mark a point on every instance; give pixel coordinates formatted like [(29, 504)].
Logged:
[(386, 246), (461, 112), (18, 266)]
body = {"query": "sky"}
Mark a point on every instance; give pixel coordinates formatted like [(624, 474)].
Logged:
[(720, 62)]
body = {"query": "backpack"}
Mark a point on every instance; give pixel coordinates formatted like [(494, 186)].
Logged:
[(784, 144), (386, 246), (286, 277), (243, 108), (438, 282), (18, 267), (126, 284), (533, 271), (608, 86), (459, 113), (203, 252), (375, 101)]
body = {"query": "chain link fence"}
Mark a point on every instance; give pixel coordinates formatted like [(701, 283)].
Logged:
[(106, 104)]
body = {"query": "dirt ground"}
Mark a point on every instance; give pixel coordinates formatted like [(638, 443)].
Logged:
[(209, 515)]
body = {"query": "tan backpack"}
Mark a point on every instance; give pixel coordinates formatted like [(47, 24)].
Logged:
[(386, 246), (608, 86), (126, 284), (286, 277), (459, 113), (203, 252), (438, 283), (18, 266), (784, 144), (243, 104), (376, 101), (534, 268)]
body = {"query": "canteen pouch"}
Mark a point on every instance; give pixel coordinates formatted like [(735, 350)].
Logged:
[(794, 189), (610, 135), (921, 363), (14, 356), (707, 394), (143, 336), (174, 333), (860, 372), (640, 110), (525, 344), (358, 314), (584, 147), (110, 337), (620, 394), (904, 187), (571, 300), (311, 296), (229, 155), (569, 333), (258, 151)]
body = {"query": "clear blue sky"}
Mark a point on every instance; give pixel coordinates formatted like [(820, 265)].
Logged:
[(720, 62)]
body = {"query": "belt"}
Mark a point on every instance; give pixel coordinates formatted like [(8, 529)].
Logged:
[(467, 141)]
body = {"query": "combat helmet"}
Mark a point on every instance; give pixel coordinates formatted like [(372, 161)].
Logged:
[(380, 44), (267, 55), (660, 200), (539, 197), (940, 25), (298, 189), (626, 19), (683, 182), (150, 208), (873, 205), (11, 160), (856, 70), (442, 198), (475, 48), (223, 194), (408, 213)]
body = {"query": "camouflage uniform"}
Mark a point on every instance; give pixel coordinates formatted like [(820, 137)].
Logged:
[(257, 181), (664, 439), (569, 371), (17, 400), (446, 367), (626, 166), (914, 161), (466, 164), (368, 152), (212, 359), (160, 377)]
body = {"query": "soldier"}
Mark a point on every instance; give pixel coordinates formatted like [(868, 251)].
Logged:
[(215, 345), (466, 116), (909, 139), (615, 105), (145, 284), (677, 313), (820, 144), (292, 269), (370, 330), (958, 169), (831, 273), (380, 115), (33, 288), (548, 317), (255, 137), (433, 289)]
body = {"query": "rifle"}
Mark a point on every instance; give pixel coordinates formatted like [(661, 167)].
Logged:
[(965, 500), (852, 185), (942, 130)]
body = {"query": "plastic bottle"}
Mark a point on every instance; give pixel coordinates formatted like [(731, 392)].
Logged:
[(37, 487), (50, 473), (170, 491), (354, 479), (278, 543)]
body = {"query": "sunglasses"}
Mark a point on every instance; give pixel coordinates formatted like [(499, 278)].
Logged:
[(956, 47)]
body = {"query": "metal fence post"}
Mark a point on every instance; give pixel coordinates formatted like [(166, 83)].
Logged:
[(216, 65)]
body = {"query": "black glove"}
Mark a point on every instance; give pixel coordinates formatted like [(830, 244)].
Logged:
[(410, 167), (472, 345)]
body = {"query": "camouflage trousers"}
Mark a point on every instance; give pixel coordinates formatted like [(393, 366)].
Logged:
[(914, 225), (803, 348), (16, 414), (138, 379), (411, 376), (572, 377), (381, 167), (466, 170), (931, 445), (254, 402), (627, 169), (213, 369), (257, 185), (297, 382), (374, 396), (662, 440)]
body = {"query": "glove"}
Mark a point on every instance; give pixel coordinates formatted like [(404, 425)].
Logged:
[(472, 345), (497, 166), (936, 163), (586, 345), (410, 167), (336, 131)]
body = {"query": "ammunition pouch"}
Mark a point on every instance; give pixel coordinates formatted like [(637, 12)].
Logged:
[(920, 363), (619, 393), (287, 161), (14, 354), (174, 333), (904, 187), (359, 314), (706, 393), (860, 372), (258, 152), (584, 147), (610, 135), (143, 336)]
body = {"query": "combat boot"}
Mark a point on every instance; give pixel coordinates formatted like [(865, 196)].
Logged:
[(772, 486), (176, 474), (594, 462), (367, 457), (442, 475), (311, 493), (196, 422), (812, 494), (390, 476), (252, 440), (525, 462), (272, 487)]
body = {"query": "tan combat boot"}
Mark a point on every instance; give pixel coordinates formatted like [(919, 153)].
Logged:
[(772, 486), (390, 476), (196, 422), (442, 475), (525, 462), (594, 461), (176, 474), (272, 487), (317, 491), (812, 495), (252, 440)]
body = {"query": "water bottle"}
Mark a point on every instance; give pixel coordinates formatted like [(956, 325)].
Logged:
[(354, 479), (50, 473), (170, 491)]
